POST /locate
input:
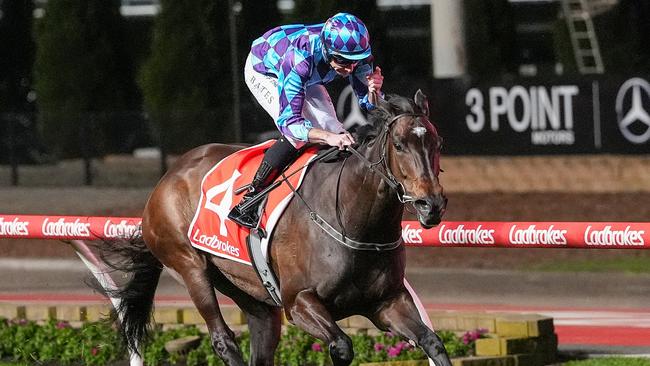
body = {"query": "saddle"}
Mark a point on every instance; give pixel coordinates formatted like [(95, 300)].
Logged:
[(211, 230)]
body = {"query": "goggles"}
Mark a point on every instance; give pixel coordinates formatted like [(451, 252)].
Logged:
[(343, 61)]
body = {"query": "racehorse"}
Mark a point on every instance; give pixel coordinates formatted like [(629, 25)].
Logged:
[(362, 196)]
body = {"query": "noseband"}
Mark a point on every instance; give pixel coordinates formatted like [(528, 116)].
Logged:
[(388, 176)]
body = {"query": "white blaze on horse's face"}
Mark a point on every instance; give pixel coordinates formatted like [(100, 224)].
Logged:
[(417, 157), (416, 164), (419, 131)]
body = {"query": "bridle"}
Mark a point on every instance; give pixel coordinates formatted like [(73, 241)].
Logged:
[(386, 175)]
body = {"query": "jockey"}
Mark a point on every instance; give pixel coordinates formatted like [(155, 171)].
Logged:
[(286, 70)]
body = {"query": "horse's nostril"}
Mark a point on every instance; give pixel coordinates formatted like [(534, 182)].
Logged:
[(422, 205)]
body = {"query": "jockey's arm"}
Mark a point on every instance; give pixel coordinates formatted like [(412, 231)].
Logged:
[(367, 84), (291, 122), (340, 140)]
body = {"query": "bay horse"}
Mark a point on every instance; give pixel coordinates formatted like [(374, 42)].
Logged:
[(321, 280)]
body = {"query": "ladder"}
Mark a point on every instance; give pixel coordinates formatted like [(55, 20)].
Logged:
[(583, 36)]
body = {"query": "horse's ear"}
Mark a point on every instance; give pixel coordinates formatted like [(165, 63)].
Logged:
[(422, 101)]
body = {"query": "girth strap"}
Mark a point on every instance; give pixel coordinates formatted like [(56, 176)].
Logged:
[(262, 266)]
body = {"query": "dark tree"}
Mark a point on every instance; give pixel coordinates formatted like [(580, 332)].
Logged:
[(490, 38), (81, 72), (16, 55), (186, 81)]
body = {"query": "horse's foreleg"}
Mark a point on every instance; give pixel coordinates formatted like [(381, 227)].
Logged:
[(401, 317), (205, 299), (309, 313)]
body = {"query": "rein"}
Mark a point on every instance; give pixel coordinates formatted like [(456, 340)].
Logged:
[(387, 177)]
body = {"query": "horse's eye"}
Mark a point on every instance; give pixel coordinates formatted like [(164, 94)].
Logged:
[(398, 146)]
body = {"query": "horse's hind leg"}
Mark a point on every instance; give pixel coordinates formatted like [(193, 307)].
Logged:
[(264, 321), (309, 313), (265, 329), (202, 292), (401, 317)]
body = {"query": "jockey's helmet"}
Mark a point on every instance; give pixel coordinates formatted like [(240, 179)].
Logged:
[(345, 37)]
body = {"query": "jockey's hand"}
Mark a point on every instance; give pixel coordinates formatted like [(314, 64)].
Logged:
[(375, 81), (340, 140)]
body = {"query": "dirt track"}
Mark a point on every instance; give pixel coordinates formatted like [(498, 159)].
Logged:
[(462, 206)]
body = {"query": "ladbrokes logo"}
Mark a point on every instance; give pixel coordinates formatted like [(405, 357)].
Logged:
[(212, 241), (533, 236), (15, 227), (460, 235), (120, 230), (412, 235), (610, 237), (63, 228)]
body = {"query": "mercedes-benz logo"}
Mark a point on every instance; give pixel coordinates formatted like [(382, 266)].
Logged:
[(355, 117), (634, 111)]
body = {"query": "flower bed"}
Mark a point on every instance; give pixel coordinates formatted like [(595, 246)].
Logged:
[(98, 344)]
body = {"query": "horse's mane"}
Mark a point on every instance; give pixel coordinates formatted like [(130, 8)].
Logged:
[(392, 106)]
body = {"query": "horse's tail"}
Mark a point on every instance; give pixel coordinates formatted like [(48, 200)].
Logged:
[(133, 259)]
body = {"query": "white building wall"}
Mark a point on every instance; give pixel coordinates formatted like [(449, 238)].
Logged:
[(448, 38)]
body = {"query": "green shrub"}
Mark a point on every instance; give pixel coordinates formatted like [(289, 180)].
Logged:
[(98, 344), (92, 344)]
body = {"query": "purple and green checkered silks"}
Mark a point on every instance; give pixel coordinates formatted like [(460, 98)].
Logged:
[(345, 35), (295, 55)]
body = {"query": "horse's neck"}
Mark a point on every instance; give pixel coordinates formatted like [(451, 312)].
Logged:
[(370, 209)]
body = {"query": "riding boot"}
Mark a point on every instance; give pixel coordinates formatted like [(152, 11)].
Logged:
[(276, 158), (264, 176)]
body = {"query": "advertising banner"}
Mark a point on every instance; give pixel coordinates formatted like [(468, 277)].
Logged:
[(489, 234), (535, 116), (476, 234), (69, 227), (531, 116)]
